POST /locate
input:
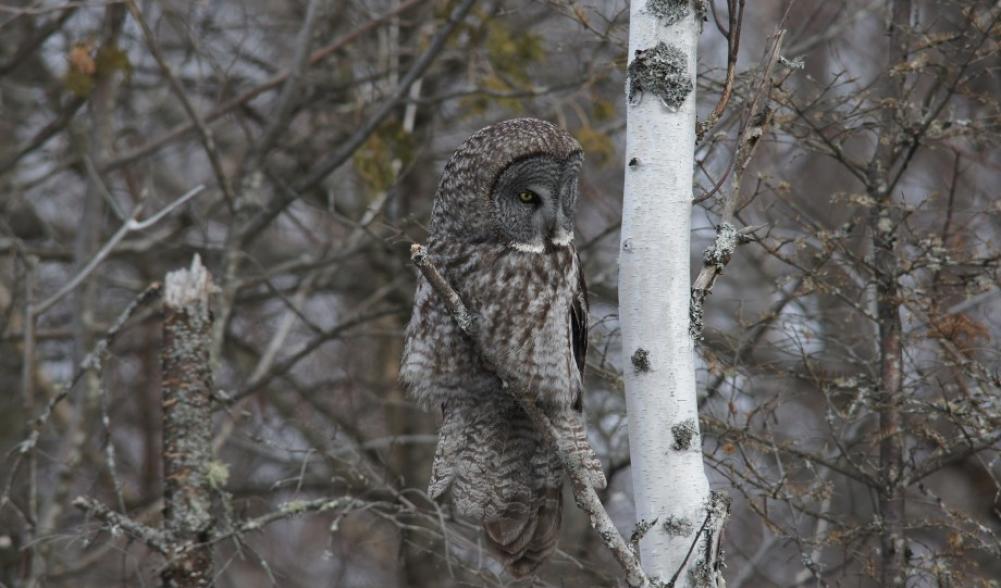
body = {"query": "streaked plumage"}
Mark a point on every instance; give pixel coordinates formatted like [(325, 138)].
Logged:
[(512, 260)]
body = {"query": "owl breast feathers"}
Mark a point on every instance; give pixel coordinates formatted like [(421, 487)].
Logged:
[(501, 234)]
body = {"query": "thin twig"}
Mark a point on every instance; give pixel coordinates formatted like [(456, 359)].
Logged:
[(203, 131), (109, 447), (286, 510), (45, 133), (286, 99), (92, 361), (753, 127), (735, 11), (41, 35), (325, 167), (133, 224), (154, 538), (226, 107)]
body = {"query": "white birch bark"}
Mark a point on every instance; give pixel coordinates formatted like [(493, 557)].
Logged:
[(669, 480)]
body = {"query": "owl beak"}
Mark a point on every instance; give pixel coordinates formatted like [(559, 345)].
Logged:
[(550, 217), (551, 224), (557, 229)]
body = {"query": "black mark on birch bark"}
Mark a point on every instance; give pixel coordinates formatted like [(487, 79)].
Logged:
[(696, 315), (662, 71), (684, 434), (669, 11), (678, 526), (641, 360)]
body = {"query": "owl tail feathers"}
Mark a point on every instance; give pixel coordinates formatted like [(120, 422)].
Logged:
[(572, 438), (524, 543)]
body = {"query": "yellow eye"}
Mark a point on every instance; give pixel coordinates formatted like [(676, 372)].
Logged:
[(528, 197)]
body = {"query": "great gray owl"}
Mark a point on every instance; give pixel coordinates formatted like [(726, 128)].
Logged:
[(501, 233)]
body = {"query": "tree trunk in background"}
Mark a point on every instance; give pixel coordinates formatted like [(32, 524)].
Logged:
[(669, 482), (97, 144), (884, 221), (187, 425)]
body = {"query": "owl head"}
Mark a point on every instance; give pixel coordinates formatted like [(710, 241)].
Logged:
[(514, 182)]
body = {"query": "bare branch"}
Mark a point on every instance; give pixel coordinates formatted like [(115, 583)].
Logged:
[(322, 169), (154, 538), (208, 142), (133, 224), (735, 11)]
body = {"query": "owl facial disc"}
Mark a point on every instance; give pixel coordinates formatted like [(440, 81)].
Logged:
[(513, 183), (534, 200)]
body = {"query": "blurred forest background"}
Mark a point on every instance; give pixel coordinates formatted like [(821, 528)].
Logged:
[(849, 372)]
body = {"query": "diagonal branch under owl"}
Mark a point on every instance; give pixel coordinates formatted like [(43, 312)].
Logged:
[(572, 460)]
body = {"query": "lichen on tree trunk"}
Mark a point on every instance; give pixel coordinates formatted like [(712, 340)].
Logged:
[(187, 425)]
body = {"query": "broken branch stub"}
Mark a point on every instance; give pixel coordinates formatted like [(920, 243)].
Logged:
[(187, 425), (714, 259)]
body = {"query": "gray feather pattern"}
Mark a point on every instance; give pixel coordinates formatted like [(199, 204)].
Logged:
[(491, 463)]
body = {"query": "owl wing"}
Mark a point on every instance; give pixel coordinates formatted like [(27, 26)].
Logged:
[(571, 423), (578, 331)]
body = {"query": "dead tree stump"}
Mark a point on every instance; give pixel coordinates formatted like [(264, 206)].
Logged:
[(187, 425)]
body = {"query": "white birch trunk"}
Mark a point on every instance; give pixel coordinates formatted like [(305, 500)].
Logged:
[(669, 480)]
